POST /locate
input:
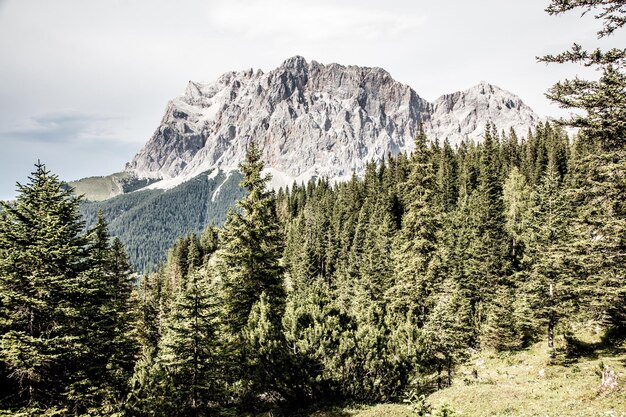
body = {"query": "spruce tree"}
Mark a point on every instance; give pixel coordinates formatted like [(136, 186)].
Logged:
[(445, 336), (489, 248), (42, 258), (251, 245), (108, 326), (190, 350), (597, 178), (66, 337), (416, 242), (551, 286)]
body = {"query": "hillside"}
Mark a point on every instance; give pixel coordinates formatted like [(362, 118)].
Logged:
[(310, 120), (148, 221)]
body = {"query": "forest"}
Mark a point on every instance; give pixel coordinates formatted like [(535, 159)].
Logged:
[(328, 293), (320, 293)]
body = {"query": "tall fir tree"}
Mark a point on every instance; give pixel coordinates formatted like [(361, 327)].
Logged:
[(41, 265), (66, 337), (251, 247), (251, 244), (190, 351), (551, 285), (416, 242)]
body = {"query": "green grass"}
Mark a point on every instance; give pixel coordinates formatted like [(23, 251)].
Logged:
[(104, 188), (100, 188), (528, 383), (523, 384)]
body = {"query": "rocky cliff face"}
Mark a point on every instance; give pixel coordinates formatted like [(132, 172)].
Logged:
[(312, 120), (464, 114)]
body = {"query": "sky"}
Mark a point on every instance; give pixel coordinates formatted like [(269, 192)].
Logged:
[(84, 83)]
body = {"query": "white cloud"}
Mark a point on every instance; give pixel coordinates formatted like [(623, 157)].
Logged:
[(65, 126), (311, 21)]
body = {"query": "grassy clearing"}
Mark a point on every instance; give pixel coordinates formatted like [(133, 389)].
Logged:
[(99, 188), (523, 384), (528, 383)]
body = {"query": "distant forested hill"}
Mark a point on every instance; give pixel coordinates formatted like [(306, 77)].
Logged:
[(149, 221)]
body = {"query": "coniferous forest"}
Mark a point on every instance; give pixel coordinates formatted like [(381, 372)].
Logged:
[(327, 293)]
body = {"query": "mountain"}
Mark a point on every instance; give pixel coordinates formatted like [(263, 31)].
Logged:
[(464, 114), (312, 120), (309, 119)]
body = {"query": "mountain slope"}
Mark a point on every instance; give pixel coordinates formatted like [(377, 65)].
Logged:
[(149, 221), (309, 119)]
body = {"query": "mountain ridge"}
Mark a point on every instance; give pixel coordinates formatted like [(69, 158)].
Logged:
[(312, 120)]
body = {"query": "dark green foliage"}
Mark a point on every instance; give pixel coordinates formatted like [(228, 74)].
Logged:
[(190, 350), (330, 293), (354, 291), (66, 318), (603, 101), (597, 178), (250, 248), (500, 330), (41, 265)]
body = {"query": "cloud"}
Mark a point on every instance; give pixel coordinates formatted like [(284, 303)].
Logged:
[(64, 126), (310, 22)]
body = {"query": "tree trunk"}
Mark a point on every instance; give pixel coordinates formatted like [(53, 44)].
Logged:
[(439, 376), (551, 321)]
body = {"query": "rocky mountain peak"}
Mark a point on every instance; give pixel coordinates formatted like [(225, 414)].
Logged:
[(296, 63), (464, 114), (312, 120)]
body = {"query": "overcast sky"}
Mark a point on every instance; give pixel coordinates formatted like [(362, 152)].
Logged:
[(84, 83)]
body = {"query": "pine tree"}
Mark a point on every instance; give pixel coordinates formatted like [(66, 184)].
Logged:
[(516, 194), (597, 178), (251, 245), (445, 335), (416, 242), (41, 262), (500, 328), (124, 340), (190, 351), (550, 284), (108, 326), (489, 249), (447, 178), (597, 187), (603, 101), (67, 336)]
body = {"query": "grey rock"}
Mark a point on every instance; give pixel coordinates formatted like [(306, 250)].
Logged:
[(311, 119)]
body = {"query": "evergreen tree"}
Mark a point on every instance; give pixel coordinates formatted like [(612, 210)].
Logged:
[(550, 284), (445, 334), (603, 101), (500, 328), (190, 351), (447, 178), (517, 201), (41, 264), (251, 245), (416, 242), (597, 178), (66, 339), (482, 244), (108, 325)]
